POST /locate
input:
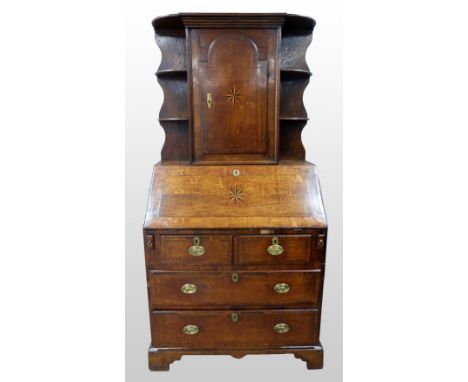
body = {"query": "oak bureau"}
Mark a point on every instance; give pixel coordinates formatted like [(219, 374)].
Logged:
[(235, 230)]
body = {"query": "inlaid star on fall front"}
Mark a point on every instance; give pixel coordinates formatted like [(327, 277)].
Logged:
[(233, 95), (236, 194)]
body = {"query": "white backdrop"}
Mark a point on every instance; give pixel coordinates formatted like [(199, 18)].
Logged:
[(322, 138), (62, 196)]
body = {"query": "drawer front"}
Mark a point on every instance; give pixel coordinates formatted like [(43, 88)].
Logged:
[(196, 249), (213, 329), (185, 290), (279, 249)]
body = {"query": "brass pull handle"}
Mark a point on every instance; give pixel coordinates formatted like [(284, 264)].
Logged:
[(190, 329), (196, 249), (188, 288), (209, 100), (282, 327), (275, 249), (281, 288)]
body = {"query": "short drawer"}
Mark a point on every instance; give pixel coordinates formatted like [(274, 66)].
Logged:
[(196, 249), (279, 249), (195, 290), (212, 329)]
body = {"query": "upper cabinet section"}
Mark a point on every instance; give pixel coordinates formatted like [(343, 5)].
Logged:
[(224, 77)]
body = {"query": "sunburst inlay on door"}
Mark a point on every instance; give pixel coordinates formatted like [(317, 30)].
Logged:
[(233, 95), (236, 194)]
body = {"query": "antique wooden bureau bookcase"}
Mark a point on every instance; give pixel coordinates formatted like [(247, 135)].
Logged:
[(235, 229)]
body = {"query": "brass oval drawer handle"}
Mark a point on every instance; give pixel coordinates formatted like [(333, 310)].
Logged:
[(282, 327), (190, 329), (281, 288), (188, 288), (275, 249), (196, 249)]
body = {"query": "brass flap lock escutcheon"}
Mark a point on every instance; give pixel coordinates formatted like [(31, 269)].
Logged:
[(196, 249)]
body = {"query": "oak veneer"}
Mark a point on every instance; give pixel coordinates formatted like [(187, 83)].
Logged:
[(235, 229)]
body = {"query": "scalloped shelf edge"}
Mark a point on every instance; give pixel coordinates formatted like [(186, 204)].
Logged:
[(184, 119), (298, 73), (167, 73), (294, 119)]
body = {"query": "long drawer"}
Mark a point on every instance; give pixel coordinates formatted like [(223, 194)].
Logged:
[(212, 329), (187, 290)]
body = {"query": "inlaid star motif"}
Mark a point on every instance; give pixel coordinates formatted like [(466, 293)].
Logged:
[(236, 194), (233, 95)]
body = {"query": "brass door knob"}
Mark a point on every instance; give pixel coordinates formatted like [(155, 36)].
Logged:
[(282, 327), (196, 249), (188, 288), (281, 288), (275, 249), (190, 329)]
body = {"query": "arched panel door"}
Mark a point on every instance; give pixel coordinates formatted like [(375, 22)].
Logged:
[(234, 94)]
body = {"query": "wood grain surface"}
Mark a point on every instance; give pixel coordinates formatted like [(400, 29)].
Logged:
[(254, 289), (280, 196), (232, 183), (216, 328)]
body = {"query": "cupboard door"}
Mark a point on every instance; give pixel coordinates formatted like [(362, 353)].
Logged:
[(234, 94)]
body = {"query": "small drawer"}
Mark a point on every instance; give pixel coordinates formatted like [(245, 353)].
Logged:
[(196, 249), (279, 249), (195, 290), (212, 329)]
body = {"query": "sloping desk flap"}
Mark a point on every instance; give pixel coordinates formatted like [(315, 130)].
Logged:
[(244, 196)]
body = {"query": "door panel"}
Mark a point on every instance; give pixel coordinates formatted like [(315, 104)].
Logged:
[(234, 94)]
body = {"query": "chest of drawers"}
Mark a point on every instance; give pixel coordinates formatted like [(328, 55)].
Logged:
[(235, 230), (227, 277)]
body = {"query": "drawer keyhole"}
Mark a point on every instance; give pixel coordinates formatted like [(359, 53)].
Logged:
[(235, 277)]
